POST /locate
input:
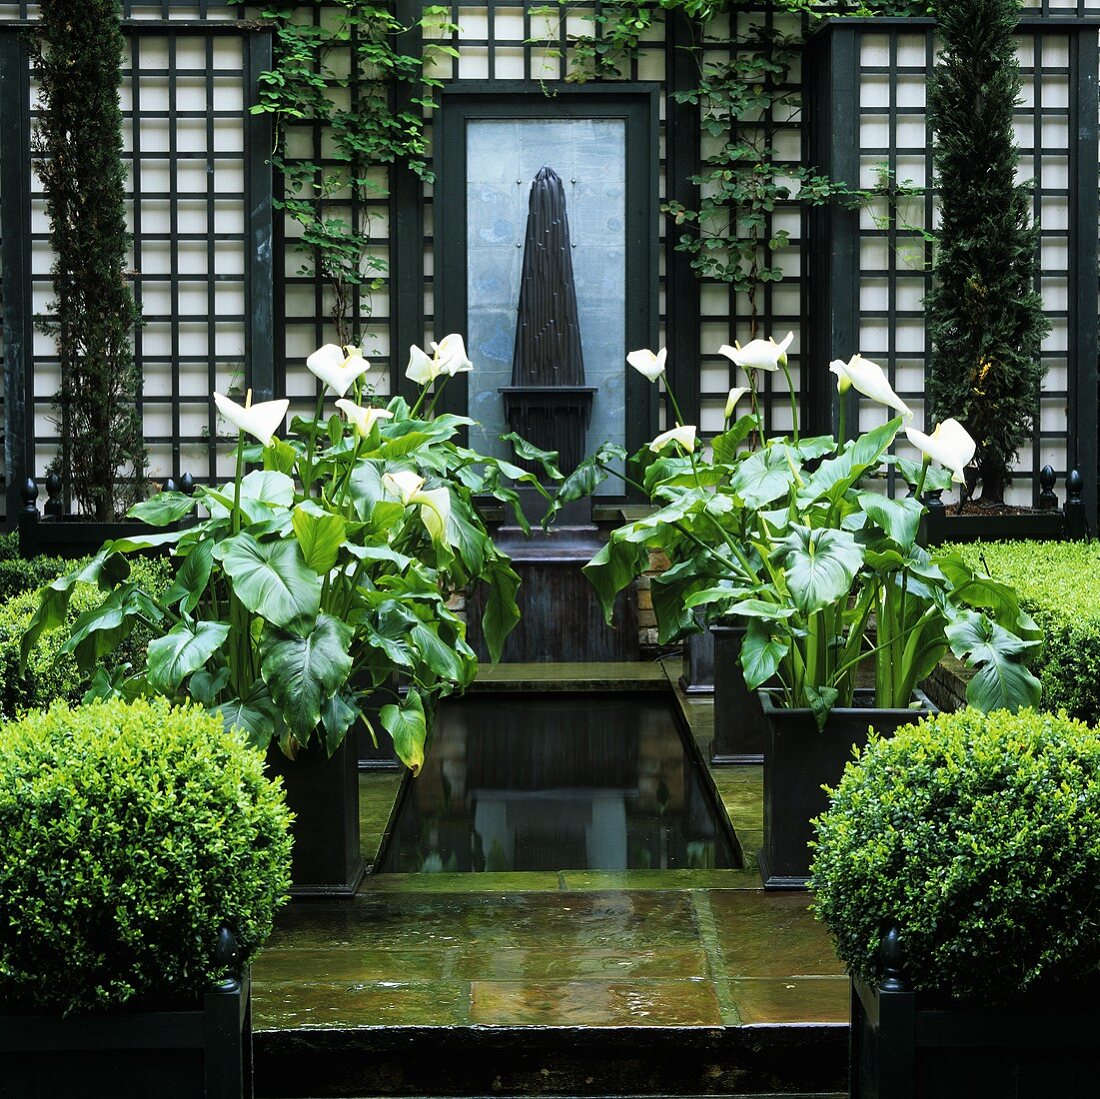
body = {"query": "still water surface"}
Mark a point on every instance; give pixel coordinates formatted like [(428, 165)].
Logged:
[(558, 782)]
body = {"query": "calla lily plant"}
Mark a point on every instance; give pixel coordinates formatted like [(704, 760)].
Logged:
[(798, 540), (317, 582)]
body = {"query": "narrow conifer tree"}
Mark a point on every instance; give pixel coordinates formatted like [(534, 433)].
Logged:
[(985, 317), (78, 150)]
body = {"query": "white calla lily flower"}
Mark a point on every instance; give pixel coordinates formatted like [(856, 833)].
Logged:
[(684, 434), (950, 445), (450, 354), (448, 357), (758, 354), (337, 367), (422, 368), (650, 366), (869, 379), (364, 418), (734, 396), (261, 421), (435, 510), (404, 484)]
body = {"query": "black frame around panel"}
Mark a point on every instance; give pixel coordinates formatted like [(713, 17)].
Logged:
[(637, 105)]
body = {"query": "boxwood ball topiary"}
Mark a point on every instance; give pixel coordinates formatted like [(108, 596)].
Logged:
[(130, 834), (978, 836)]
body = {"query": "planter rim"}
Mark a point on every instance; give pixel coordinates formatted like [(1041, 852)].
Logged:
[(801, 713)]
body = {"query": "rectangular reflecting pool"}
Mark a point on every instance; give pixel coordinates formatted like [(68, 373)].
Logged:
[(548, 781)]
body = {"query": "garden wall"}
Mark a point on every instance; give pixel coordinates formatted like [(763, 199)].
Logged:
[(196, 223)]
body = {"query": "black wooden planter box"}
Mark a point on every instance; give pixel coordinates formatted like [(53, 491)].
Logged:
[(739, 726), (201, 1053), (941, 526), (902, 1047), (798, 760), (323, 794), (697, 673)]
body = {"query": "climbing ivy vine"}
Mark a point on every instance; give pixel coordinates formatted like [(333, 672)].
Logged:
[(743, 178), (336, 67)]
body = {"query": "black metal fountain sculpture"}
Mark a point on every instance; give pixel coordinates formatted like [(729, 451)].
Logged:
[(548, 402)]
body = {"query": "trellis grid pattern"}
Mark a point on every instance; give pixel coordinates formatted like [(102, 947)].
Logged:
[(892, 267), (196, 205)]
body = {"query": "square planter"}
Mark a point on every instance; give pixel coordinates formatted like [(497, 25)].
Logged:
[(739, 726), (323, 794), (199, 1052), (904, 1047), (697, 673), (798, 760)]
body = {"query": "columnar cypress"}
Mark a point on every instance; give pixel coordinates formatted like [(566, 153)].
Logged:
[(985, 317), (78, 150)]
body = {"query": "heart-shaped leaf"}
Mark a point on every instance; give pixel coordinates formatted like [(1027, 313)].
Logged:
[(272, 580), (302, 673)]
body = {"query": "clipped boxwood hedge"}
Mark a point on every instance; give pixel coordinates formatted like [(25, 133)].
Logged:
[(51, 674), (1059, 585), (130, 834), (978, 836), (21, 574)]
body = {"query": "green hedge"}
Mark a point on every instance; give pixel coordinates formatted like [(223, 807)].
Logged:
[(50, 674), (21, 574), (978, 836), (1059, 585), (131, 833)]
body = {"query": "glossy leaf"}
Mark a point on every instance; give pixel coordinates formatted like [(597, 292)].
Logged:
[(320, 535), (301, 673), (408, 727), (182, 650), (271, 579), (163, 508)]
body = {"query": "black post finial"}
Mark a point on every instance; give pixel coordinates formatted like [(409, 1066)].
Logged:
[(29, 495), (226, 953), (1048, 501), (1077, 524), (932, 499), (187, 484), (55, 506), (170, 485), (892, 961)]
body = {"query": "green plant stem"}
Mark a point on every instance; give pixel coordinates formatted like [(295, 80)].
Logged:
[(235, 519), (794, 400), (307, 475)]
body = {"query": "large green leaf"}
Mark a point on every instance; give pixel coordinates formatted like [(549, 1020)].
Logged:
[(303, 672), (1003, 683), (765, 476), (613, 567), (443, 659), (337, 715), (762, 651), (268, 486), (254, 715), (501, 612), (899, 518), (272, 580), (725, 446), (320, 534), (835, 476), (100, 630), (548, 459), (192, 576), (183, 650), (164, 508), (820, 566), (409, 728)]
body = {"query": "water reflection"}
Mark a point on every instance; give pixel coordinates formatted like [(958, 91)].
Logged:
[(557, 782)]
